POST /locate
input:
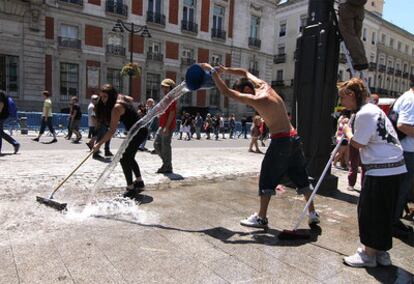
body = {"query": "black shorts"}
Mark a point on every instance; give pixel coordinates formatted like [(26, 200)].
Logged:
[(376, 210), (283, 157)]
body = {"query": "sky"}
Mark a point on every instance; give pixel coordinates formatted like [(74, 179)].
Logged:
[(400, 13)]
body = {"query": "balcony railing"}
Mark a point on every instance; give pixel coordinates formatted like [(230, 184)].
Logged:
[(372, 66), (118, 50), (156, 18), (398, 73), (187, 61), (116, 8), (342, 58), (217, 33), (390, 71), (74, 2), (254, 42), (69, 42), (405, 75), (278, 83), (155, 56), (279, 58), (255, 72), (381, 68), (189, 26)]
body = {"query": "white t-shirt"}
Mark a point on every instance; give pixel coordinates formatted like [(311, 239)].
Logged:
[(373, 129), (91, 113), (404, 106)]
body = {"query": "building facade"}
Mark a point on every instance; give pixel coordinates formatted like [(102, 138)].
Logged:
[(70, 48)]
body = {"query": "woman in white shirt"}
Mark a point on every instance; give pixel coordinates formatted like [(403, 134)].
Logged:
[(382, 158)]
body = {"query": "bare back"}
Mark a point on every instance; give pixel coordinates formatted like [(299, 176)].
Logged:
[(271, 107)]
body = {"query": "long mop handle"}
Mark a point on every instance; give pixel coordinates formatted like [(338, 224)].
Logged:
[(321, 178), (63, 181)]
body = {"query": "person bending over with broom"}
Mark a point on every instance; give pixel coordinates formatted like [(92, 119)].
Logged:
[(284, 155), (119, 108), (383, 161)]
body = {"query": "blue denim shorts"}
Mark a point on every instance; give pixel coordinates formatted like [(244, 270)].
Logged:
[(283, 157)]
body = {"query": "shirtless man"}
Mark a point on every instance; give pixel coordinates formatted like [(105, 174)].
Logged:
[(284, 155)]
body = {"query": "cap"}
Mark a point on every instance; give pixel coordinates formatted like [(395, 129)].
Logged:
[(94, 97), (168, 83)]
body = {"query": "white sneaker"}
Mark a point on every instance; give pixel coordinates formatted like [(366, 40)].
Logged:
[(360, 259), (313, 218), (383, 258), (254, 221), (350, 188)]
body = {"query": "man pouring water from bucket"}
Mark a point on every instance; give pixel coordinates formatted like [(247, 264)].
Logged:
[(284, 155)]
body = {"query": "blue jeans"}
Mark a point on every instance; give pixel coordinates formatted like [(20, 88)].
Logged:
[(405, 186), (5, 136)]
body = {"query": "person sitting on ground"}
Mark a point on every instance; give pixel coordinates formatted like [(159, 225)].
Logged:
[(46, 118), (284, 155), (383, 160), (119, 108), (255, 134)]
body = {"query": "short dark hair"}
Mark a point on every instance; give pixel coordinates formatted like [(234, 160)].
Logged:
[(241, 83), (46, 93)]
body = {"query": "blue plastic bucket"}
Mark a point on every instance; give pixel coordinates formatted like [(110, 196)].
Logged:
[(196, 78)]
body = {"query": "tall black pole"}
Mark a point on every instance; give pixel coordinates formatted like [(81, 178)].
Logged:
[(131, 59), (316, 70)]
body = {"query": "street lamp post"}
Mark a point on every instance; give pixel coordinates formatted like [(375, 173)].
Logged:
[(132, 28)]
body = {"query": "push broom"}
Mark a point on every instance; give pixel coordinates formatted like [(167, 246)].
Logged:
[(295, 234), (53, 203)]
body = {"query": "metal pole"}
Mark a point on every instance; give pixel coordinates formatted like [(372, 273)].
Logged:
[(131, 46)]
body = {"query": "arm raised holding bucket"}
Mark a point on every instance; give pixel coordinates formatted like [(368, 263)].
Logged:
[(285, 143)]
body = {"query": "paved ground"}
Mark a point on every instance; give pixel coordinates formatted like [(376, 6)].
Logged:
[(180, 231)]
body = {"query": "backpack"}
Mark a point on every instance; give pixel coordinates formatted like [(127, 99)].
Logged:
[(393, 117), (12, 108), (357, 2)]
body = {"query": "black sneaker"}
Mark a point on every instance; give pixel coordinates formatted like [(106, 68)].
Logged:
[(53, 141), (139, 184), (164, 171), (36, 139), (16, 148), (108, 154), (129, 193)]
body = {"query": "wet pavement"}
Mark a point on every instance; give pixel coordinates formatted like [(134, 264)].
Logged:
[(183, 229)]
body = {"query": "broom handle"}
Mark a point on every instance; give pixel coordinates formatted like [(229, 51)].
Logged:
[(325, 170), (63, 181)]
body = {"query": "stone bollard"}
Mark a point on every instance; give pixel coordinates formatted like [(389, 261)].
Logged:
[(23, 125)]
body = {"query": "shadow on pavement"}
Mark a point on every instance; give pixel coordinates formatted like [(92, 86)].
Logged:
[(174, 176), (6, 154), (102, 159), (337, 194), (407, 239), (142, 198), (266, 237), (390, 274)]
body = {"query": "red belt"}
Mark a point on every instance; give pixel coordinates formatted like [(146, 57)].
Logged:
[(292, 133)]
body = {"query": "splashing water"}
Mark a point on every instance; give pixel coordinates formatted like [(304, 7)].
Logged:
[(115, 208), (158, 109)]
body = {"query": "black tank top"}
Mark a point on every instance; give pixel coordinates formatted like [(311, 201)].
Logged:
[(130, 115)]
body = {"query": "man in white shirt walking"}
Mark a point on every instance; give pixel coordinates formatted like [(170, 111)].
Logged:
[(404, 106)]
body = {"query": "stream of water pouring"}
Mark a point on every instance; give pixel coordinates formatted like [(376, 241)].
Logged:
[(158, 109)]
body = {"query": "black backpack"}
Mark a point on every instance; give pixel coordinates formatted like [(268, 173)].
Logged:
[(393, 117)]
